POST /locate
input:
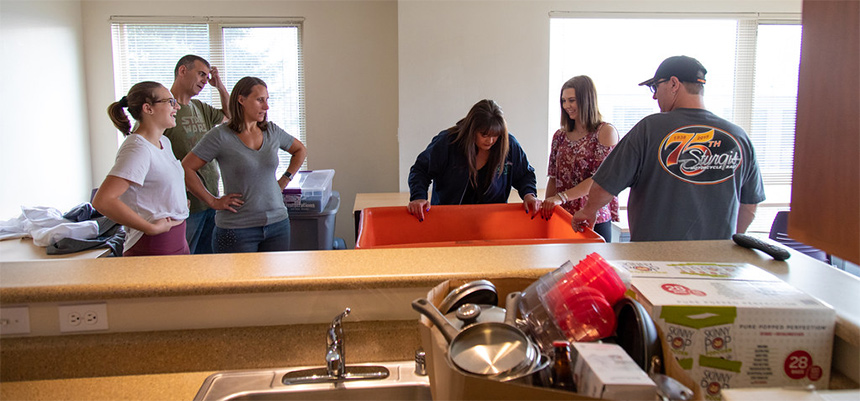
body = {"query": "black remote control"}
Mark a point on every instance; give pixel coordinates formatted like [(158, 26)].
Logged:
[(746, 241)]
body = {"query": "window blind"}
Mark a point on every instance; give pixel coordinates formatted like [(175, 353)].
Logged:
[(266, 49), (752, 63)]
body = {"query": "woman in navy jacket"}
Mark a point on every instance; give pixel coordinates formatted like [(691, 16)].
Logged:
[(475, 161)]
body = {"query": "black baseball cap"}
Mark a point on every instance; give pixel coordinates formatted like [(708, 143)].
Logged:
[(687, 69)]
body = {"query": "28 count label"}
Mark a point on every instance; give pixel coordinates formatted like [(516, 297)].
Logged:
[(798, 365)]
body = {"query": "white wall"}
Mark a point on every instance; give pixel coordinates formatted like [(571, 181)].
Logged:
[(44, 155), (452, 54)]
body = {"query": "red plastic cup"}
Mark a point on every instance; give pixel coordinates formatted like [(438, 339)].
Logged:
[(594, 272), (582, 313)]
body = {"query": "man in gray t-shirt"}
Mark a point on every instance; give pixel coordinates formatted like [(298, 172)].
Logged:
[(692, 175)]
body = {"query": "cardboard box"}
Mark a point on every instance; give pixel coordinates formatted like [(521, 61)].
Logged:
[(727, 271), (734, 334), (448, 383), (605, 371)]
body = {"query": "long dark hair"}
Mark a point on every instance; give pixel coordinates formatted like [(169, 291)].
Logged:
[(586, 103), (484, 117), (139, 94), (237, 112)]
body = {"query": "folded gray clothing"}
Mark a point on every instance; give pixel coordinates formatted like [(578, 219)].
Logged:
[(84, 211), (111, 235)]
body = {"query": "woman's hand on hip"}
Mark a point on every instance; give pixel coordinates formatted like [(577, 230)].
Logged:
[(229, 202), (418, 207), (162, 226)]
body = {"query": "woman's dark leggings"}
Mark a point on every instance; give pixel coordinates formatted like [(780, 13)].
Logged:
[(605, 230)]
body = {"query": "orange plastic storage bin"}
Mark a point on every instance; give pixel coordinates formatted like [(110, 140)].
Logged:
[(466, 225)]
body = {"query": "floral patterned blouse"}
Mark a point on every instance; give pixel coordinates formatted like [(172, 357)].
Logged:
[(573, 162)]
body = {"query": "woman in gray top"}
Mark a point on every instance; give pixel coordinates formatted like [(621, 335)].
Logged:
[(251, 217)]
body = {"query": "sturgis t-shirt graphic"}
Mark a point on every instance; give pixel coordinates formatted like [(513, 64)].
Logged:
[(700, 154)]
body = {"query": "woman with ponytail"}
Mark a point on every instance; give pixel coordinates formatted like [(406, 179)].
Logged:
[(145, 189)]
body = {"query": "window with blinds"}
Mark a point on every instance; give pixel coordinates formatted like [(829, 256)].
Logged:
[(752, 67), (269, 49)]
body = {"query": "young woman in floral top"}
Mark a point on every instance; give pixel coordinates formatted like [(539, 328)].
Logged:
[(578, 149)]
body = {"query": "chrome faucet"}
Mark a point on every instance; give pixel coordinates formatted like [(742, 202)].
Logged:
[(335, 359), (335, 370)]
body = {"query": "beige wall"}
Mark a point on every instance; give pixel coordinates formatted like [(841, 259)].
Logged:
[(454, 53), (350, 60), (44, 149)]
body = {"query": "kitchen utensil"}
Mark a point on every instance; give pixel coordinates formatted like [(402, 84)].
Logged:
[(595, 272), (582, 313), (537, 320), (537, 375), (467, 314), (545, 307), (481, 292), (637, 334), (540, 374), (489, 349), (537, 371)]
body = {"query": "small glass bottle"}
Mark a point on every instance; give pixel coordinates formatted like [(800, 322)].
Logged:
[(562, 371)]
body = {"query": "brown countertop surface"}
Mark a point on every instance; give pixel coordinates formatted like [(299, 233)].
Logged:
[(176, 276), (160, 276), (173, 386)]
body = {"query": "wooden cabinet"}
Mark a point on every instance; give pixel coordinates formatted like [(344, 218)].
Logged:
[(825, 196)]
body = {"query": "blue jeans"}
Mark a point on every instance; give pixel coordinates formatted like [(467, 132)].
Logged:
[(199, 229), (271, 238)]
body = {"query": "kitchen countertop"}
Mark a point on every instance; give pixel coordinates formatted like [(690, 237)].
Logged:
[(23, 249), (351, 270), (157, 387), (172, 276)]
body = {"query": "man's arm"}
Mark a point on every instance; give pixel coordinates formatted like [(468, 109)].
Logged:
[(215, 80), (746, 214), (587, 216)]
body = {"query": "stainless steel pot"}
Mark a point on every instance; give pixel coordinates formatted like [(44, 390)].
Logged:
[(481, 292), (537, 375), (489, 349), (467, 314)]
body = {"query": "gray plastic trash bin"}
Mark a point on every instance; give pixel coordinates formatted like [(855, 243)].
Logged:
[(314, 231)]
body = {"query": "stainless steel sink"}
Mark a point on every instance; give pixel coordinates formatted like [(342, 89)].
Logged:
[(401, 384)]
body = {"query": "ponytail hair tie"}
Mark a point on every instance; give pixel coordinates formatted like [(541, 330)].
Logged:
[(123, 102)]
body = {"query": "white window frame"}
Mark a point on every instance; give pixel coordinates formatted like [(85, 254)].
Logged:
[(778, 186), (217, 51)]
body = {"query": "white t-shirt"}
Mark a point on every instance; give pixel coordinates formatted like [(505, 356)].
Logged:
[(157, 187)]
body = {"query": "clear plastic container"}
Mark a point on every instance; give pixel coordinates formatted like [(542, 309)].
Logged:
[(572, 303), (308, 191)]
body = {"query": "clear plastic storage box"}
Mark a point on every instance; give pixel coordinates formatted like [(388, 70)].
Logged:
[(308, 191)]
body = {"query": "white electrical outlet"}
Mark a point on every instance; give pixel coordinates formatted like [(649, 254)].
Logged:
[(83, 317), (15, 320)]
